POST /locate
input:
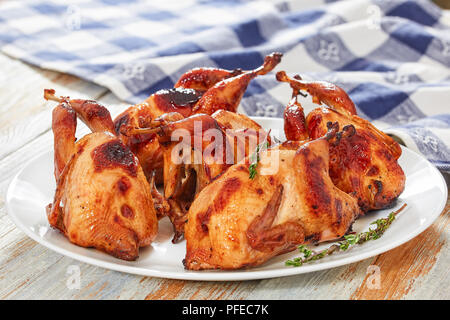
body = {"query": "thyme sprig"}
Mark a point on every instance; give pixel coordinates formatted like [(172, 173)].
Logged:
[(254, 159), (351, 239)]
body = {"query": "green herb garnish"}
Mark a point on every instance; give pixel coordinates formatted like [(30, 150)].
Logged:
[(254, 158), (349, 240)]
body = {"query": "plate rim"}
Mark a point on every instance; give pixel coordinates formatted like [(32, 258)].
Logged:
[(220, 275)]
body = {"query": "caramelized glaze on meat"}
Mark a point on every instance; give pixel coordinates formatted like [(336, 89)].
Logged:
[(236, 222), (365, 165), (102, 199), (204, 155), (200, 90)]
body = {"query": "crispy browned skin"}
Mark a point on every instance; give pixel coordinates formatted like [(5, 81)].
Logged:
[(92, 113), (365, 165), (200, 90), (144, 146), (205, 155), (294, 122), (64, 124), (321, 92), (227, 94), (235, 121), (236, 222), (102, 199), (202, 79)]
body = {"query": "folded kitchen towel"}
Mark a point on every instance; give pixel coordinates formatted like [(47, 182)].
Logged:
[(392, 57)]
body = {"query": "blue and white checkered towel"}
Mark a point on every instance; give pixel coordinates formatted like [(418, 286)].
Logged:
[(392, 57)]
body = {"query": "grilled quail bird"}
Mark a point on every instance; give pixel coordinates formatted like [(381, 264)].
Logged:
[(102, 198), (237, 222), (365, 165)]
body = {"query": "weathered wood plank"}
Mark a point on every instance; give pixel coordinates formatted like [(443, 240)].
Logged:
[(405, 270), (336, 283)]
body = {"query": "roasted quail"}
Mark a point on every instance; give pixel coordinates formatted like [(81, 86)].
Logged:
[(238, 222), (102, 198), (365, 165)]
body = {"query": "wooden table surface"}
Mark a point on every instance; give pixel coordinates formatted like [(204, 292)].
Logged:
[(418, 269)]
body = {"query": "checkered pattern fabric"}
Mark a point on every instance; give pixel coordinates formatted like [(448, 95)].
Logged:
[(392, 57)]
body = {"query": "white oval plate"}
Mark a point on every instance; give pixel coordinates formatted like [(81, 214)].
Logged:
[(33, 187)]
